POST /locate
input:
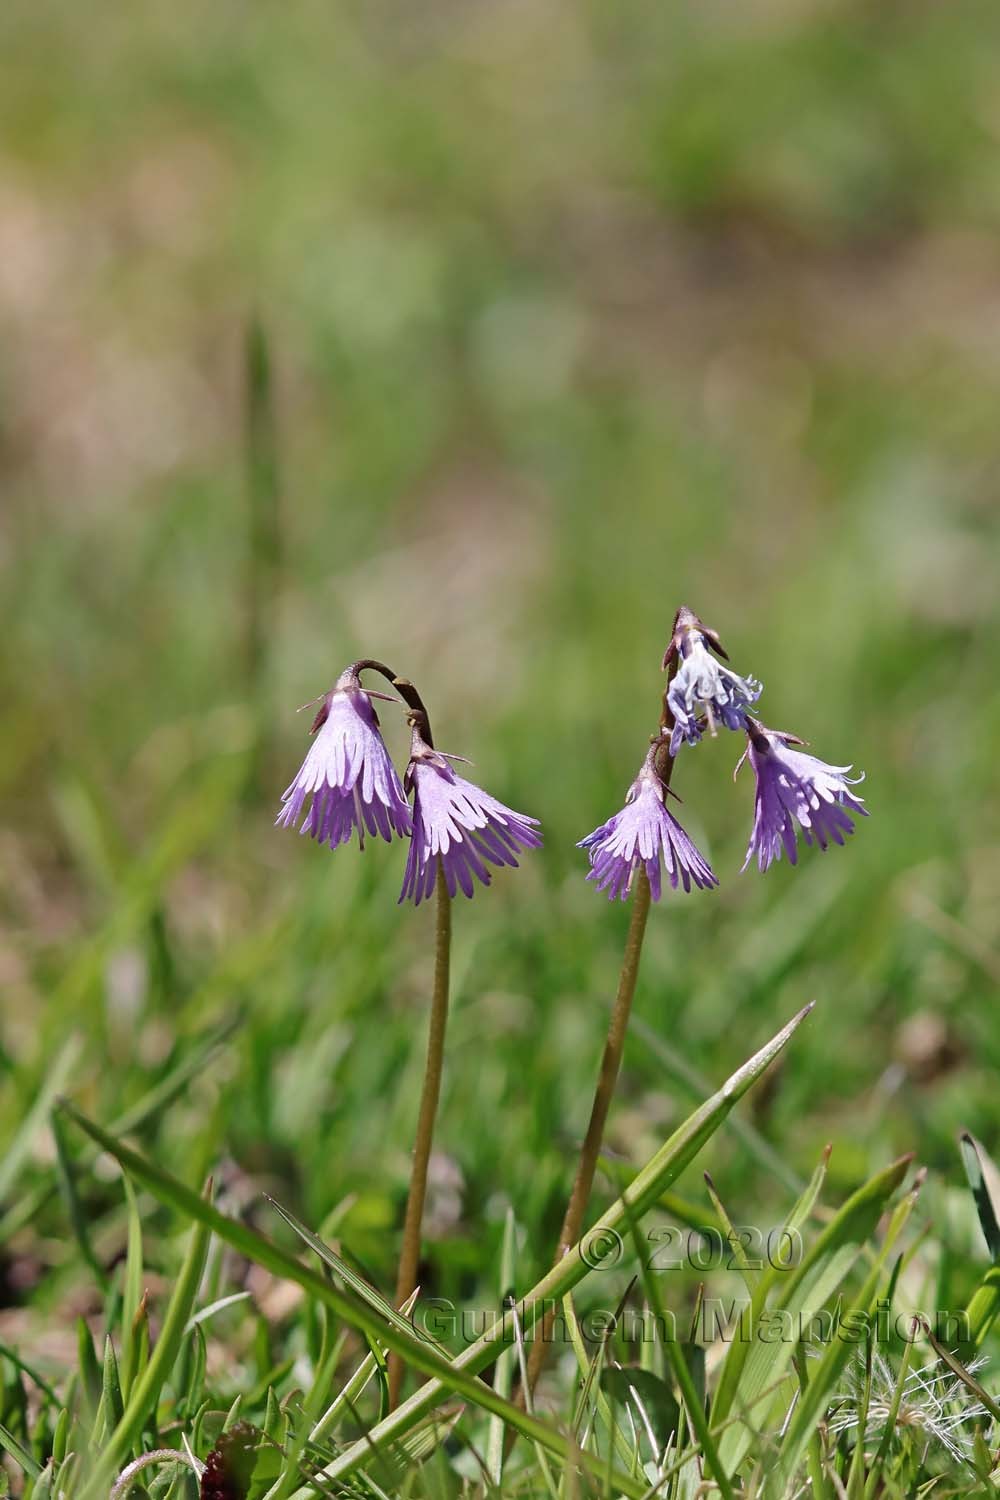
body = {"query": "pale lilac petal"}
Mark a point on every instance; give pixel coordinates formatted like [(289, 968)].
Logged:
[(645, 833), (459, 825), (347, 778), (796, 788)]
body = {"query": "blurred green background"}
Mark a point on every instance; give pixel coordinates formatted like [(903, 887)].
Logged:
[(573, 313)]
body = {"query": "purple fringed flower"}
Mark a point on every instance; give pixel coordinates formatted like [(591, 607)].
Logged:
[(348, 774), (641, 832), (458, 822), (793, 786), (703, 685)]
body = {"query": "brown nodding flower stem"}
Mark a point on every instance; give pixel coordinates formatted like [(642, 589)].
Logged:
[(404, 687), (572, 1226)]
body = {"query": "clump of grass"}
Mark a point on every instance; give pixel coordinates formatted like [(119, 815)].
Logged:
[(148, 1411)]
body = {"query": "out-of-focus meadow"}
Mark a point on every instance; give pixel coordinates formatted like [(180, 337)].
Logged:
[(573, 314)]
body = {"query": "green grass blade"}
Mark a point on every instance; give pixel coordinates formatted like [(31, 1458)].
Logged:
[(983, 1306), (55, 1080), (19, 1453), (419, 1353), (503, 1376), (590, 1368), (89, 1368), (111, 1392), (809, 1197), (805, 1292), (203, 1315), (697, 1084), (642, 1193), (146, 1391), (132, 1293), (66, 1180), (751, 1274), (819, 1392), (984, 1180), (264, 540), (349, 1276), (163, 1093)]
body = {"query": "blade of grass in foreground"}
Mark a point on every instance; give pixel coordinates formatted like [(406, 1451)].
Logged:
[(696, 1083), (808, 1288), (204, 1051), (671, 1159), (739, 1350), (53, 1082), (503, 1379), (984, 1304), (417, 1352), (356, 1283), (985, 1184), (458, 1377), (822, 1384), (19, 1453), (984, 1181), (145, 1393)]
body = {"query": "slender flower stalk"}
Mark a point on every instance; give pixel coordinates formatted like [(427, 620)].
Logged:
[(610, 1065), (625, 857), (607, 1078), (409, 1258), (458, 829)]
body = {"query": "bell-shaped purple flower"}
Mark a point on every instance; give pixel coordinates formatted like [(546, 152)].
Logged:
[(702, 686), (457, 823), (347, 780), (644, 832), (793, 787)]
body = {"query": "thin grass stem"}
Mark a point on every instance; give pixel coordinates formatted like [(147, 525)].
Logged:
[(264, 557)]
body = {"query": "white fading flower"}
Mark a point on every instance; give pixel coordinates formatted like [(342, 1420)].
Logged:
[(704, 688), (935, 1405)]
